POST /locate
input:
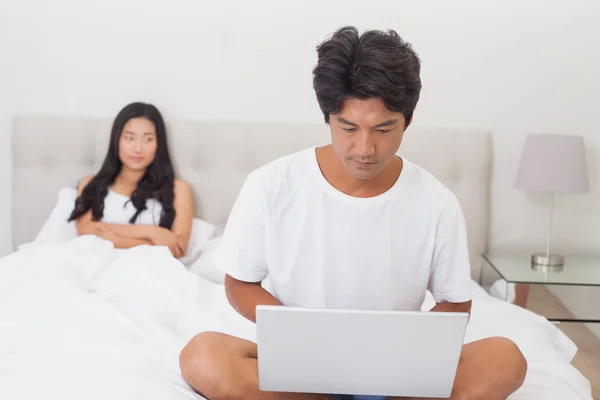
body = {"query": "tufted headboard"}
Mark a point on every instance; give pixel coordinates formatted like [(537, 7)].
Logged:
[(51, 152)]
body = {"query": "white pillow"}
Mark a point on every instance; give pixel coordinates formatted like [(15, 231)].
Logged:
[(202, 233), (205, 267), (56, 229), (499, 290)]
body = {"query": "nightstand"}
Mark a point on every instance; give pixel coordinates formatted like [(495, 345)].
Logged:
[(517, 269)]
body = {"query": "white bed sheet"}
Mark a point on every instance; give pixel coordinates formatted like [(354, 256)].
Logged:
[(83, 320)]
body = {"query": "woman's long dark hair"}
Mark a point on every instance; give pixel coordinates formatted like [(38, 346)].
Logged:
[(157, 183)]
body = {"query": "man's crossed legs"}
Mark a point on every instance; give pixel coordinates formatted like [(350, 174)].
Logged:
[(223, 367)]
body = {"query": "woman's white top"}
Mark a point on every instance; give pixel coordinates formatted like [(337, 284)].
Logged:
[(118, 209)]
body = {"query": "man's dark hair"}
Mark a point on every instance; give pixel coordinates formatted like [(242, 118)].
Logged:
[(375, 64)]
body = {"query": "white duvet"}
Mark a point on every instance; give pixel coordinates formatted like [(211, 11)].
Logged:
[(81, 320)]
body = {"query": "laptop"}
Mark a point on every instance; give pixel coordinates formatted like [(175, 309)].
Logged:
[(354, 352)]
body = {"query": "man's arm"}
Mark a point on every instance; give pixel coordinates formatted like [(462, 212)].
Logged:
[(245, 296), (241, 253), (453, 307), (450, 277)]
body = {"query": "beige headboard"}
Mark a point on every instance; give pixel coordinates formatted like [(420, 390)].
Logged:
[(51, 152)]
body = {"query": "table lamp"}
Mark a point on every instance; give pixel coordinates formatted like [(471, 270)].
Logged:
[(552, 164)]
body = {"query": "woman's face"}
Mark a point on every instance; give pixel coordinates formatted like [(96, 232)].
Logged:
[(137, 145)]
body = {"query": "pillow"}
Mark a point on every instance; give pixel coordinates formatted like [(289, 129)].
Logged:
[(500, 290), (56, 229), (204, 265), (202, 233)]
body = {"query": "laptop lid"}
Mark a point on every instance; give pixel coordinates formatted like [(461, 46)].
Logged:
[(385, 353)]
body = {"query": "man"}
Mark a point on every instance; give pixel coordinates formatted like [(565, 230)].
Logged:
[(349, 225)]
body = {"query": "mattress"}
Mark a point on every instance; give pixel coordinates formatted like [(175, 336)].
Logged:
[(81, 319)]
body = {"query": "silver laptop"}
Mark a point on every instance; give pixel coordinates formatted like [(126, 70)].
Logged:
[(399, 353)]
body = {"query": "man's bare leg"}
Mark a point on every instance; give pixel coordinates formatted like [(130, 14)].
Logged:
[(489, 369), (224, 367)]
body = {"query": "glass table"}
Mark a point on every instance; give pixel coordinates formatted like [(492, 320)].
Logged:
[(518, 269)]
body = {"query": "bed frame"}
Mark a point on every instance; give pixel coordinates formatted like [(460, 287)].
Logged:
[(51, 152)]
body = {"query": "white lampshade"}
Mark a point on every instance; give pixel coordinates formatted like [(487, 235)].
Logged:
[(553, 163)]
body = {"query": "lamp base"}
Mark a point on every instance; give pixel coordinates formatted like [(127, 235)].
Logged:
[(547, 260)]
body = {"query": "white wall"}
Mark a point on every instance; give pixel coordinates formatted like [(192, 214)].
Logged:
[(511, 66)]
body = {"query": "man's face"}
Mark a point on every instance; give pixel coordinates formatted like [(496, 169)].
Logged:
[(366, 136)]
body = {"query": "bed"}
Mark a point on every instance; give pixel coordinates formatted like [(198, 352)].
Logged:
[(83, 320)]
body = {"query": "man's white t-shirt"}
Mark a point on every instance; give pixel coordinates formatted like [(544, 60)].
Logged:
[(320, 247)]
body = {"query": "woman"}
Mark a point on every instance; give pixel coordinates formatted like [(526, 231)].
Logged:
[(135, 199)]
